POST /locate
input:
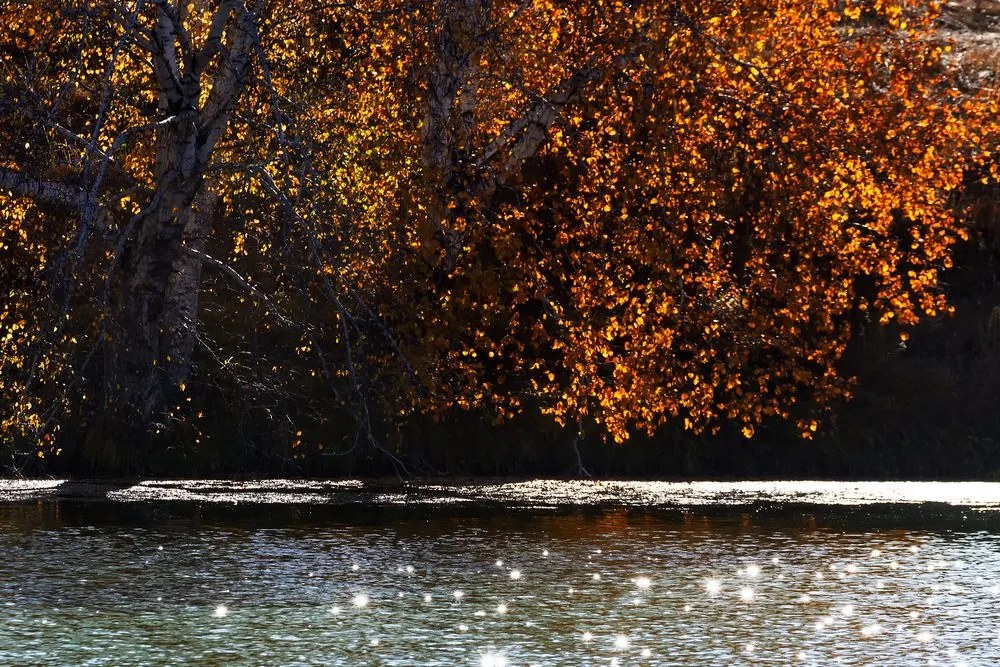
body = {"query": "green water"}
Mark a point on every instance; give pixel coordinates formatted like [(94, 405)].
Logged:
[(370, 582)]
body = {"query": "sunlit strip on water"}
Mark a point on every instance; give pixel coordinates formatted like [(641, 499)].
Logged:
[(540, 493)]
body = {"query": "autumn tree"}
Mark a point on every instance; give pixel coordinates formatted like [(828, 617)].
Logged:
[(137, 136), (624, 213), (638, 213)]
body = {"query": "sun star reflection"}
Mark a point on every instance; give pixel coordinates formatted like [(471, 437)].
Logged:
[(493, 660), (871, 630)]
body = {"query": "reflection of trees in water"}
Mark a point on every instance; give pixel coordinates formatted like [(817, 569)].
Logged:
[(30, 516)]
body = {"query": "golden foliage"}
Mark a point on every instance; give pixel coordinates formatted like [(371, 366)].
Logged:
[(720, 194)]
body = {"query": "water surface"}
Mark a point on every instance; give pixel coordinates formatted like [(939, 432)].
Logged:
[(584, 575)]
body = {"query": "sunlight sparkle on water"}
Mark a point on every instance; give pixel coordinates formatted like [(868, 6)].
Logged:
[(747, 594), (643, 583), (360, 600), (515, 575), (493, 660), (871, 630), (713, 586), (621, 642), (221, 611)]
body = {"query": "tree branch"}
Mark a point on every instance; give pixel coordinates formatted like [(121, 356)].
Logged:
[(528, 132), (243, 282), (231, 81), (53, 193)]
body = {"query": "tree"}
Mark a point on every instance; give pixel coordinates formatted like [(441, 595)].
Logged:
[(133, 130), (684, 212), (612, 211)]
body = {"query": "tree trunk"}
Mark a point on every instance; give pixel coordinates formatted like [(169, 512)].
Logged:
[(149, 358), (151, 353)]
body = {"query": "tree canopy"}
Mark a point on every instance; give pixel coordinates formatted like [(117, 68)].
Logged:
[(614, 212)]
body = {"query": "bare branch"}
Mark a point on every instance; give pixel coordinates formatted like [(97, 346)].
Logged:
[(243, 282)]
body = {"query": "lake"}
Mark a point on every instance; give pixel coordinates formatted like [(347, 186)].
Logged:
[(534, 573)]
